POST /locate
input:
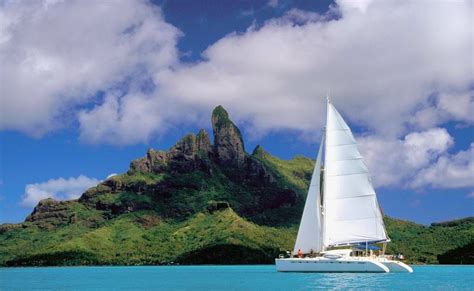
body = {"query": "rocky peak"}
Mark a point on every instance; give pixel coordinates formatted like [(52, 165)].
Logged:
[(187, 153), (50, 213), (259, 152), (154, 161), (185, 148), (203, 143), (228, 143)]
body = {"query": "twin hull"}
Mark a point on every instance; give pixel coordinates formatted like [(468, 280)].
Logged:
[(343, 265)]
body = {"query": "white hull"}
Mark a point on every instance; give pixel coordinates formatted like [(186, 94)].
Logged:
[(397, 266), (341, 265)]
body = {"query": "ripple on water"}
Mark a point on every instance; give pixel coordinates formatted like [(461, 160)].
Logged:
[(230, 278)]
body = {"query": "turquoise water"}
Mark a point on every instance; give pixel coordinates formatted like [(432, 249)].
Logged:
[(228, 278)]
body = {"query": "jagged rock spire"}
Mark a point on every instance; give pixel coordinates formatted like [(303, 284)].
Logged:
[(203, 142), (228, 144)]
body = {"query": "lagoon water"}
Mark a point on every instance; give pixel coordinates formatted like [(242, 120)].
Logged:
[(228, 278)]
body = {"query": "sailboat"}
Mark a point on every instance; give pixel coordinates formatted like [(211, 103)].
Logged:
[(342, 218)]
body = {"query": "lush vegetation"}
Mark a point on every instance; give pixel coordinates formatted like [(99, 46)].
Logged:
[(426, 244), (211, 215), (460, 255), (143, 238)]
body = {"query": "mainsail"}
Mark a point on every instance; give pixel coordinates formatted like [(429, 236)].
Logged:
[(351, 210), (309, 234), (351, 213)]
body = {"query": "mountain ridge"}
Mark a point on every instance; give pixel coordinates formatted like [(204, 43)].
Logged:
[(197, 202)]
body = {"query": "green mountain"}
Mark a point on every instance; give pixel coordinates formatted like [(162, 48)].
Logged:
[(199, 203)]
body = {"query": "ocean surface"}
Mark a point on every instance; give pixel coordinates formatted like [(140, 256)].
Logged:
[(228, 278)]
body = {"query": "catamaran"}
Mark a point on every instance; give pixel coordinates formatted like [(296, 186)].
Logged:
[(341, 218)]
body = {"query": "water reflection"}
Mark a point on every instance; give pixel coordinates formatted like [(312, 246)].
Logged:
[(338, 281)]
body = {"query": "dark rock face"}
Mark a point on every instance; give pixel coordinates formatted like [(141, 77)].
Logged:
[(97, 190), (193, 151), (50, 213), (189, 153), (213, 206), (155, 161), (203, 143), (228, 143), (8, 226), (149, 221), (193, 166), (256, 170), (184, 150)]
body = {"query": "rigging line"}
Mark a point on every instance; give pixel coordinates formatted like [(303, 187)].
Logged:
[(339, 129), (350, 174), (348, 134), (338, 116), (352, 197), (353, 159), (344, 144), (353, 219), (347, 144)]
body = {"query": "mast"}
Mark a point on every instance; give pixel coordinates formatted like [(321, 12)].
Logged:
[(323, 209), (321, 170)]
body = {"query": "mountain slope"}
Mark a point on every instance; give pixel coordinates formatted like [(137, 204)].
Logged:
[(195, 203)]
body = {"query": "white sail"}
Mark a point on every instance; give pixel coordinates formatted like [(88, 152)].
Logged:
[(351, 210), (309, 234)]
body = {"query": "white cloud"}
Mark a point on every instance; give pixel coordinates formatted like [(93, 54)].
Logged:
[(381, 61), (111, 175), (348, 5), (59, 189), (298, 16), (56, 55), (121, 119), (396, 161), (272, 3), (273, 76), (450, 171), (400, 69), (419, 160), (445, 107)]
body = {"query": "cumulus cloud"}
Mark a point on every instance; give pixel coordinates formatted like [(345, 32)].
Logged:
[(126, 119), (450, 171), (419, 160), (59, 189), (396, 161), (399, 69), (445, 107), (381, 62), (56, 55)]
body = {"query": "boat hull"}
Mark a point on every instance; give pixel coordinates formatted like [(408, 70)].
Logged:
[(324, 265), (397, 266)]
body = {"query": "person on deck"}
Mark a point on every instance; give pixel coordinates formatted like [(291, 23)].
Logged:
[(300, 253)]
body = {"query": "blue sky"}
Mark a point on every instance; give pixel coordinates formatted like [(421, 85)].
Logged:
[(82, 100)]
